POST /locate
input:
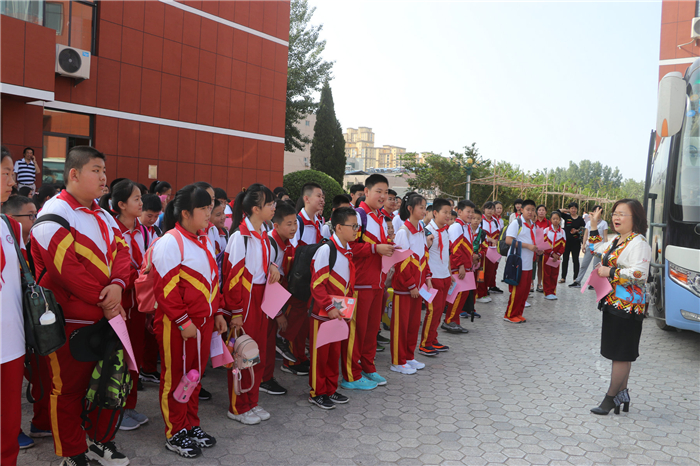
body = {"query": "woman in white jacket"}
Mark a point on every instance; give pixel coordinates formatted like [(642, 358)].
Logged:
[(625, 262)]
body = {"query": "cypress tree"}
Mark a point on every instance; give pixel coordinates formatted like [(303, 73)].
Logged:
[(328, 144)]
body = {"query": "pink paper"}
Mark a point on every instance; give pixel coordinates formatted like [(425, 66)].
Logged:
[(428, 294), (332, 331), (466, 284), (223, 357), (541, 244), (552, 262), (399, 256), (228, 222), (122, 332), (274, 298), (601, 284), (493, 255)]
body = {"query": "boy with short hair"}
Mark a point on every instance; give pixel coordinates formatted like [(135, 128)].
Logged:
[(490, 227), (389, 205), (88, 286), (525, 235), (453, 217), (152, 207), (326, 283), (356, 191), (338, 201)]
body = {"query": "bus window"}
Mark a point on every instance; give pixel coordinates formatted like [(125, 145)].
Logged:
[(686, 199)]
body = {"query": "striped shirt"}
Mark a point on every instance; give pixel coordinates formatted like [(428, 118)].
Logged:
[(26, 172)]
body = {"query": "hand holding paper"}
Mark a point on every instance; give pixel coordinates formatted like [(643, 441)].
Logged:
[(600, 284), (466, 284), (219, 354), (540, 242), (332, 331), (553, 262), (399, 256), (428, 294), (274, 298)]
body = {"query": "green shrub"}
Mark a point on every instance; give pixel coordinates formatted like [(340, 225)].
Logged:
[(293, 182)]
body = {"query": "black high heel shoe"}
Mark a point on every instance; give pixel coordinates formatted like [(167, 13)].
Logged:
[(623, 398), (610, 402)]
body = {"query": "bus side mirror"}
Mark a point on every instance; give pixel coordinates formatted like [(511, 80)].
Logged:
[(671, 104)]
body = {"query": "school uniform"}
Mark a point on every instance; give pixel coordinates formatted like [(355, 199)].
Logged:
[(461, 248), (79, 264), (246, 269), (218, 237), (11, 343), (501, 224), (520, 292), (491, 228), (185, 290), (557, 240), (409, 274), (359, 350), (396, 222), (325, 283), (149, 361)]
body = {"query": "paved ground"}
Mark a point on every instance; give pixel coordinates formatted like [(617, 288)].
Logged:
[(504, 394)]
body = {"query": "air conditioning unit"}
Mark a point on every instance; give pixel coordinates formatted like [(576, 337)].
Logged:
[(72, 62), (695, 29)]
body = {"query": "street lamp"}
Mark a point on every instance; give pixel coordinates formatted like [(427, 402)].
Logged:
[(471, 163)]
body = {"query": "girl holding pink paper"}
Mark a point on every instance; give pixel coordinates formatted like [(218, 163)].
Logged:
[(555, 236)]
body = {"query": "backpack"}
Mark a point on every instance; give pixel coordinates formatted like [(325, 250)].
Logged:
[(299, 279), (514, 265), (109, 387), (502, 245), (245, 354), (143, 286)]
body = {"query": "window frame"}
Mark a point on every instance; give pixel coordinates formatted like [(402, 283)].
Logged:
[(93, 33)]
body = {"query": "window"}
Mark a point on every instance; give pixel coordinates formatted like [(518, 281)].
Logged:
[(73, 22), (30, 11), (307, 123), (62, 131)]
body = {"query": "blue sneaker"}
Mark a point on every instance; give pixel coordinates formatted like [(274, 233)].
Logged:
[(375, 377), (361, 384), (24, 441), (38, 433), (464, 314)]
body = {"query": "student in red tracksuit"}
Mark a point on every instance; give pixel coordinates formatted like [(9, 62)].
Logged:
[(490, 226), (124, 201), (282, 255), (186, 287), (325, 284), (409, 276), (87, 268), (541, 222), (556, 238), (359, 350), (247, 269), (308, 232), (215, 230)]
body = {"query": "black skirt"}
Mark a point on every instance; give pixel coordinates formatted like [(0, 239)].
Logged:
[(620, 337)]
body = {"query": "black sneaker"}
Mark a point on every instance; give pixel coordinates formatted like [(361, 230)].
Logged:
[(382, 340), (200, 437), (385, 326), (575, 285), (153, 377), (139, 385), (183, 445), (282, 348), (271, 387), (427, 351), (339, 398), (496, 289), (440, 348), (77, 460), (296, 369), (105, 454), (322, 401), (380, 348), (204, 395)]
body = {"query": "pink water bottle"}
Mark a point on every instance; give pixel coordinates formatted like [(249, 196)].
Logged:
[(186, 386)]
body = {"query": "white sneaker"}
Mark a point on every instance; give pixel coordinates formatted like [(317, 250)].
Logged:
[(527, 304), (415, 364), (261, 413), (405, 369), (484, 300), (551, 297), (248, 418)]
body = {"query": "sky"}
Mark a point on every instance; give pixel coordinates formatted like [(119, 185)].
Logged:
[(534, 84)]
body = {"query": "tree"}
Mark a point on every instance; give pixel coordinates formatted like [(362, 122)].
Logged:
[(306, 72), (328, 145), (293, 182)]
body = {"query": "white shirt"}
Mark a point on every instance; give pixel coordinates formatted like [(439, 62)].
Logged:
[(396, 222), (11, 317), (526, 255), (602, 226), (439, 266), (253, 254), (309, 234), (416, 242)]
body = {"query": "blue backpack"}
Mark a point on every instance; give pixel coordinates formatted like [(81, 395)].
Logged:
[(514, 265)]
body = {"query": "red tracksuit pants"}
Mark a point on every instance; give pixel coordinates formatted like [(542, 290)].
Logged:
[(178, 416), (549, 278), (150, 351), (40, 378), (323, 373), (11, 409), (490, 268), (255, 325), (465, 299), (297, 329), (270, 351), (518, 295), (405, 325), (359, 350), (135, 324), (434, 311), (69, 383)]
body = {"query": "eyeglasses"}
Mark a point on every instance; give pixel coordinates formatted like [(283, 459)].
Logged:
[(354, 226), (620, 214), (32, 217)]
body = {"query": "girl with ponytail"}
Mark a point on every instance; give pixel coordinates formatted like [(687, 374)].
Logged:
[(247, 269)]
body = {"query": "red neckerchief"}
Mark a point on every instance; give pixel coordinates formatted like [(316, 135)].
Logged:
[(286, 248), (314, 223), (411, 228), (439, 235), (469, 229), (351, 265), (532, 231), (377, 218), (264, 242), (387, 214), (95, 211), (136, 255), (493, 218), (200, 239)]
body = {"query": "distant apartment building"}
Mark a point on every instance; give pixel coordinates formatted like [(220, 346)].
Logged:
[(301, 159), (361, 153)]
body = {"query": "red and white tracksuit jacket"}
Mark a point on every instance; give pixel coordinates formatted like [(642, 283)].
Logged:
[(186, 289), (556, 239), (323, 374), (79, 264), (492, 230), (409, 274), (218, 237)]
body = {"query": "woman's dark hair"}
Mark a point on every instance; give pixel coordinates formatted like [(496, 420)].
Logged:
[(204, 185), (187, 199), (46, 192), (257, 195), (120, 192), (488, 205), (220, 193), (572, 204), (545, 209), (639, 217), (159, 187), (495, 203), (557, 213), (516, 202), (5, 153), (410, 199)]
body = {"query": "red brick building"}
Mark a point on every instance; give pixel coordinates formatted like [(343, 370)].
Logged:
[(679, 49), (178, 91)]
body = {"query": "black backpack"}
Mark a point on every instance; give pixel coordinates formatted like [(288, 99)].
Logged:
[(514, 265), (502, 245), (299, 279)]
